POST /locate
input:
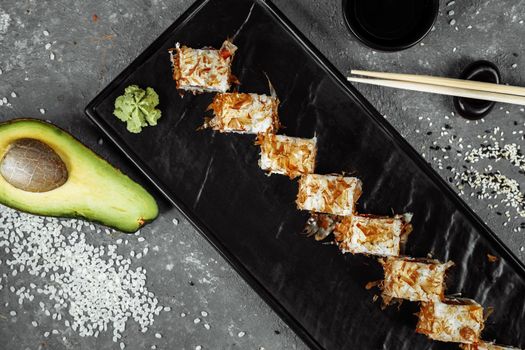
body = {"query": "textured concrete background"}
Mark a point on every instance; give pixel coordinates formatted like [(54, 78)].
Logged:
[(186, 273)]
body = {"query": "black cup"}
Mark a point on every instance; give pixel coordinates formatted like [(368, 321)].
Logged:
[(390, 25)]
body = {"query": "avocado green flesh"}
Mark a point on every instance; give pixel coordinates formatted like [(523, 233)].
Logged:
[(94, 190)]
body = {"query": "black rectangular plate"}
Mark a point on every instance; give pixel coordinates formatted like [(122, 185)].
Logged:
[(251, 219)]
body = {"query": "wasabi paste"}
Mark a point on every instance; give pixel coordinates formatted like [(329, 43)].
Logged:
[(137, 108)]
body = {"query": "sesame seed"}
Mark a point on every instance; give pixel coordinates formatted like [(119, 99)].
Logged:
[(241, 334), (158, 335), (197, 320)]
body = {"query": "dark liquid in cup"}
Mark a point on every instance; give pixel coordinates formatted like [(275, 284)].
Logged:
[(394, 24)]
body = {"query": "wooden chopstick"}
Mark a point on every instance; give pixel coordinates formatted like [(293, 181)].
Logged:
[(441, 81), (443, 90)]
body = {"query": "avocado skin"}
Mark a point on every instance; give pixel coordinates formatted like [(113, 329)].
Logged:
[(94, 190)]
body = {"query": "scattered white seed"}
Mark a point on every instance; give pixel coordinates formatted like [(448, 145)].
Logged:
[(158, 335), (46, 33), (204, 313), (241, 334), (42, 111), (197, 320), (77, 273), (175, 222)]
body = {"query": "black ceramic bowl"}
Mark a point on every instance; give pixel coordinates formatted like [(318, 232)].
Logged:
[(390, 25)]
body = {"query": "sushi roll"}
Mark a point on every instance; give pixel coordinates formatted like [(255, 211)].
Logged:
[(321, 225), (451, 320), (485, 346), (329, 194), (244, 113), (291, 156), (374, 235), (203, 70), (413, 279)]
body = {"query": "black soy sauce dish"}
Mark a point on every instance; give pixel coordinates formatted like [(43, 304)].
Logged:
[(474, 109), (390, 25)]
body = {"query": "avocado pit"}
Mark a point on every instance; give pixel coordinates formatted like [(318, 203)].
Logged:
[(31, 165)]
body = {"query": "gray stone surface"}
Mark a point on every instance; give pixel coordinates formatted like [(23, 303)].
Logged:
[(84, 55)]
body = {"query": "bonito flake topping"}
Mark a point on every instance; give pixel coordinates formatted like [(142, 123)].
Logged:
[(244, 113), (451, 320), (200, 70), (291, 156), (374, 235), (330, 194), (413, 279)]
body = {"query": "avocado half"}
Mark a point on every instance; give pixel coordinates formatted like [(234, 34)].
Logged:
[(92, 189)]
